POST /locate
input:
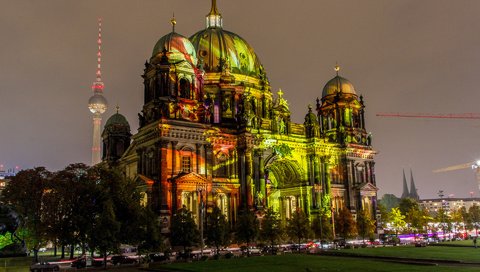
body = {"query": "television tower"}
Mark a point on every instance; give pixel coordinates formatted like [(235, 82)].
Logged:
[(97, 104)]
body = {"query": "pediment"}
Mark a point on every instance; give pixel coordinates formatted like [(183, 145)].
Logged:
[(142, 180), (367, 187), (189, 178)]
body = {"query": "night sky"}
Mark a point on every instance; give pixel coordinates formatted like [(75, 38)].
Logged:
[(403, 56)]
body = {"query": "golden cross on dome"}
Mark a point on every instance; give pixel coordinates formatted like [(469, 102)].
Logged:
[(173, 22), (280, 93), (117, 107)]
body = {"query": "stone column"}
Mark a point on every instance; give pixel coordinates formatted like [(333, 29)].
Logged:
[(243, 176), (249, 177), (320, 121), (174, 157), (163, 177), (208, 160), (140, 160), (317, 180), (197, 156), (362, 118), (367, 172), (263, 184), (372, 173)]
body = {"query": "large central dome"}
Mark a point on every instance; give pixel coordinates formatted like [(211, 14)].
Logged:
[(215, 47)]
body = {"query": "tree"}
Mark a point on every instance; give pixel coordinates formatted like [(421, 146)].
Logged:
[(457, 219), (184, 231), (298, 226), (407, 204), (467, 225), (425, 218), (109, 199), (397, 220), (345, 225), (105, 231), (246, 228), (25, 193), (271, 228), (474, 216), (152, 239), (63, 201), (444, 220), (128, 210), (389, 201), (322, 227), (217, 229), (384, 215), (365, 224)]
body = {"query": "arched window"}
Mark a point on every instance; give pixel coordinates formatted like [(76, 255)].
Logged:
[(222, 204), (221, 167), (188, 200), (291, 206), (185, 88), (186, 159)]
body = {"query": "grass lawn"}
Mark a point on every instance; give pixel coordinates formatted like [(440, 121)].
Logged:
[(15, 264), (302, 263), (468, 254), (468, 243)]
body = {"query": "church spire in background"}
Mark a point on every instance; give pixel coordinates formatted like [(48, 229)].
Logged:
[(405, 193), (413, 189)]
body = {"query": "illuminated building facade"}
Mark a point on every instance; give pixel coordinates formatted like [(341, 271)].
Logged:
[(449, 204), (212, 132)]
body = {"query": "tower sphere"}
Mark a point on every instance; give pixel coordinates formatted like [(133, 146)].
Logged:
[(97, 104)]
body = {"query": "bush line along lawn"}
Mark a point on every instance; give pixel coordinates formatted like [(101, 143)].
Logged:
[(466, 254), (301, 263)]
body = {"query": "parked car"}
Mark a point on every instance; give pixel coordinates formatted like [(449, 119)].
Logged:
[(44, 267), (122, 259), (83, 261), (158, 257)]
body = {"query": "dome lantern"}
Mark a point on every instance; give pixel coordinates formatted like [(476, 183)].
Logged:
[(214, 18)]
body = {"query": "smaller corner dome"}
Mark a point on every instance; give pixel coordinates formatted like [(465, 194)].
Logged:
[(179, 47), (117, 120), (337, 84)]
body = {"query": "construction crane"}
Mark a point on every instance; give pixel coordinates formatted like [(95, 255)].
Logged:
[(435, 116), (473, 165)]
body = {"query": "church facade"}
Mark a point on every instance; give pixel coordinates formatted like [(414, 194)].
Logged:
[(212, 133)]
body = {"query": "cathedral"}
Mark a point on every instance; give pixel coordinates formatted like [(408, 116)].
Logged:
[(212, 133)]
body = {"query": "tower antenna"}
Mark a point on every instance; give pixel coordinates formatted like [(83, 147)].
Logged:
[(97, 104)]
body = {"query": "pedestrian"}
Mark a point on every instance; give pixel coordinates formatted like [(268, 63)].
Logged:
[(475, 242)]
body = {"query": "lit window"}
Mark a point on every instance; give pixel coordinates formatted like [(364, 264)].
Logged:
[(216, 114), (186, 164)]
